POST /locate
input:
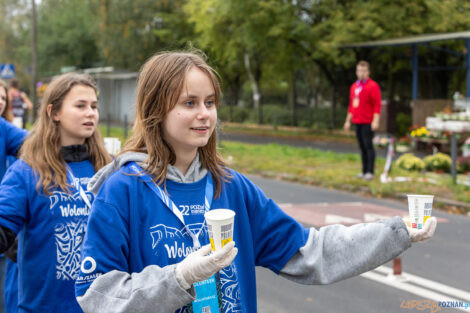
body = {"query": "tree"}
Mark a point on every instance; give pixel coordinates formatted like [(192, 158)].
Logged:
[(67, 35), (15, 37), (132, 30)]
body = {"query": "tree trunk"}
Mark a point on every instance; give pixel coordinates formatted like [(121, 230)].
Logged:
[(234, 91), (333, 108), (293, 98), (230, 105), (254, 87), (391, 105)]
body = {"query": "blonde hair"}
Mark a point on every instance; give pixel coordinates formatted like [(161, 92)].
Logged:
[(159, 86), (7, 112), (363, 64), (41, 149)]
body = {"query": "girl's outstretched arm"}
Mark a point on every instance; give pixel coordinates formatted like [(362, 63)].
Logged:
[(337, 252)]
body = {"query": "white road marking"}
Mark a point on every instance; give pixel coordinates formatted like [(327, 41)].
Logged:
[(440, 292), (462, 294), (371, 217), (338, 219)]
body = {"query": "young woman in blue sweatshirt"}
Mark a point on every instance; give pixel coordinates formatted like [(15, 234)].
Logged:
[(43, 196), (11, 139), (146, 246)]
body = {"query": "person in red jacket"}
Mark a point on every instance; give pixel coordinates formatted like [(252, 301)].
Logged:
[(364, 112)]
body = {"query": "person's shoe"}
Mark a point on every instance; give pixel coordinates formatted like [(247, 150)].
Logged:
[(360, 175), (368, 176)]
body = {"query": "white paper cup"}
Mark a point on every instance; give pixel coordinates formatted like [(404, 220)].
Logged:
[(420, 209), (112, 145), (18, 122), (117, 146), (220, 227)]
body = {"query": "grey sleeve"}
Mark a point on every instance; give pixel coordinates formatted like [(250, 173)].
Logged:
[(155, 289), (337, 252)]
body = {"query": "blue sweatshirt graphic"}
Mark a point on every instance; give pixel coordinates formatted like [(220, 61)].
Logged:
[(130, 228), (51, 230)]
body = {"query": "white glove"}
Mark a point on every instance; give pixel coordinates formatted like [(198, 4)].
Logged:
[(423, 234), (200, 265)]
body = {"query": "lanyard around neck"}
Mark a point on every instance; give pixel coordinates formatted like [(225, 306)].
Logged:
[(359, 86), (76, 184), (209, 193)]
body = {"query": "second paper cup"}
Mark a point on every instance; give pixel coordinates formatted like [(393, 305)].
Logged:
[(420, 209)]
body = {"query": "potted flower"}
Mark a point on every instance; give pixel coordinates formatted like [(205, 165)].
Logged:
[(419, 132), (463, 164), (410, 162), (403, 144), (438, 162)]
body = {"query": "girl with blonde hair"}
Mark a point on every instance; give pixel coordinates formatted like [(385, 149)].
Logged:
[(146, 246), (43, 195)]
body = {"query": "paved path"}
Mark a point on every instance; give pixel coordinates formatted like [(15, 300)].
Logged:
[(438, 268)]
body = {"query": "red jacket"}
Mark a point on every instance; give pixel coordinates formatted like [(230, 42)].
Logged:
[(368, 94)]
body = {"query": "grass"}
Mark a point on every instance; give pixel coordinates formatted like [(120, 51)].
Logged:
[(333, 171), (114, 132), (117, 132), (289, 132)]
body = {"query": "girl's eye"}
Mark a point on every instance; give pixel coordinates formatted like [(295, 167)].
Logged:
[(189, 103), (210, 103)]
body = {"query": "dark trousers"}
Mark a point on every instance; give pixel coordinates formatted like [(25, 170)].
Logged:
[(364, 135)]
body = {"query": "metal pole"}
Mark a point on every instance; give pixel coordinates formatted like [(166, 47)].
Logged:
[(108, 125), (34, 63), (125, 126), (453, 154), (414, 66)]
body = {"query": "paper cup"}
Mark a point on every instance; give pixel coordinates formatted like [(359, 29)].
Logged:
[(420, 209), (18, 122), (112, 145), (117, 146), (220, 227)]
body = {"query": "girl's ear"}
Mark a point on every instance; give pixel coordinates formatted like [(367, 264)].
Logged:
[(49, 110)]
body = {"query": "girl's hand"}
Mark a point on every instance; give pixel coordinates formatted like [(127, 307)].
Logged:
[(201, 264), (417, 235)]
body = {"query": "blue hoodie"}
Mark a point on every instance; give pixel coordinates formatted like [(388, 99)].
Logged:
[(130, 228), (51, 230), (11, 138)]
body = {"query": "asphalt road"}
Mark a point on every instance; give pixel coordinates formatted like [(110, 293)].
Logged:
[(445, 259)]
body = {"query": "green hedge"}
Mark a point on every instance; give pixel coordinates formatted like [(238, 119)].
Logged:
[(278, 115)]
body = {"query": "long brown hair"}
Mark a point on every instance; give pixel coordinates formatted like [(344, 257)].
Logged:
[(7, 112), (41, 149), (159, 86)]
